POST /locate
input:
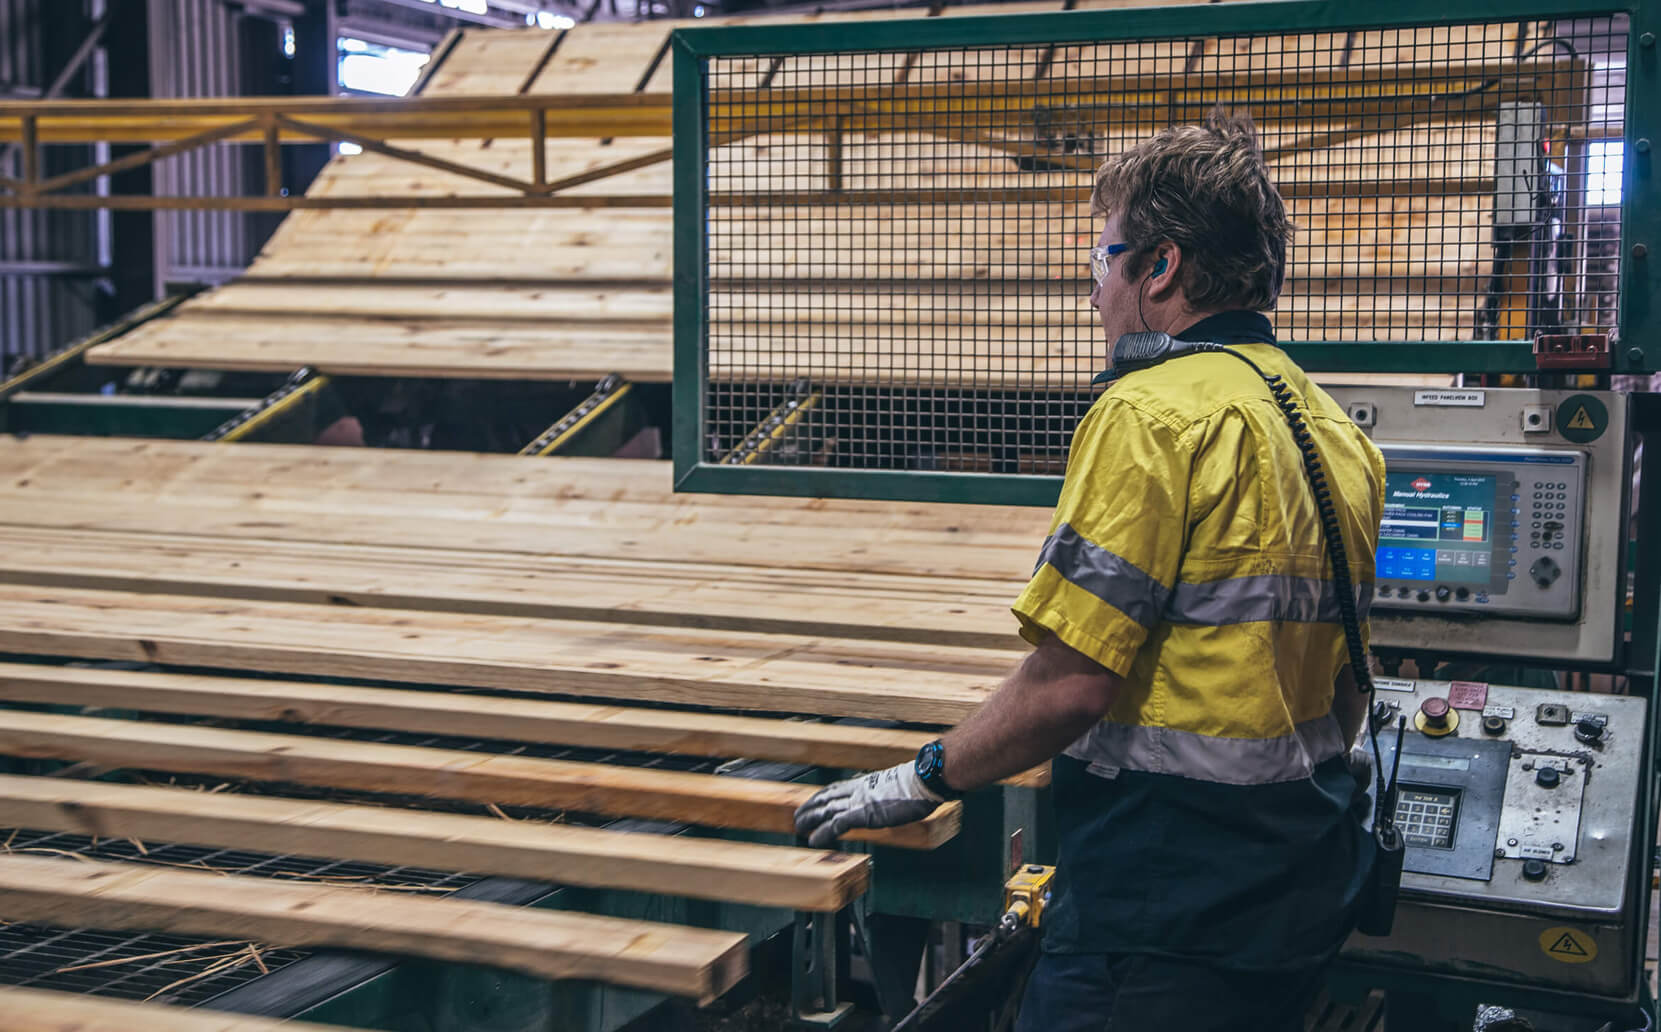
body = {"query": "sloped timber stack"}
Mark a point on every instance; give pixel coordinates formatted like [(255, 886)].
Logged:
[(600, 599), (574, 294)]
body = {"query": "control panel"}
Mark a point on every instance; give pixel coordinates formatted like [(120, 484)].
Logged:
[(1518, 806), (1487, 529), (1505, 520)]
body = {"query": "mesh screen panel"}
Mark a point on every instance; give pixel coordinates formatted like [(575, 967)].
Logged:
[(896, 241)]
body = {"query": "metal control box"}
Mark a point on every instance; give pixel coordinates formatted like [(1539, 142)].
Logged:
[(1518, 806), (1511, 542)]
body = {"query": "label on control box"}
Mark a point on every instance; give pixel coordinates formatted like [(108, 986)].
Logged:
[(1468, 694), (1534, 852), (1568, 945), (1503, 712), (1393, 684), (1451, 399)]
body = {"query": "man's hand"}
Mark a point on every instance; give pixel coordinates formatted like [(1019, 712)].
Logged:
[(880, 799)]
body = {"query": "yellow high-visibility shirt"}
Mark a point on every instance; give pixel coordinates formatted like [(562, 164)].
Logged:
[(1186, 555)]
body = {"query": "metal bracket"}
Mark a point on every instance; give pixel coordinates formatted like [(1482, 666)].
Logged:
[(1572, 351), (770, 431), (303, 385), (607, 393), (815, 951), (73, 355)]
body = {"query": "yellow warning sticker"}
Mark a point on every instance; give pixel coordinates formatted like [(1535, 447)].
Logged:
[(1568, 945), (1581, 420)]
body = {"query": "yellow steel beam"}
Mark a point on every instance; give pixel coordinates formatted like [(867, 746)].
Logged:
[(1278, 95), (392, 118)]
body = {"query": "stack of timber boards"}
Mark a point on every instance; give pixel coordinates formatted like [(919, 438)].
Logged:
[(577, 293), (586, 587)]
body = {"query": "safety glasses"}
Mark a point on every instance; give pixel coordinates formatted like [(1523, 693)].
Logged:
[(1101, 258)]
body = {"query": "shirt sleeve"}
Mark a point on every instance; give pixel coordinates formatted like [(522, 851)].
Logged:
[(1110, 562)]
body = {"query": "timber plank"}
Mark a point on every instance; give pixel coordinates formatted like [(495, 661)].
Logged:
[(739, 872), (779, 673), (388, 347), (979, 555), (37, 1010), (546, 943), (730, 802), (603, 510), (850, 605), (631, 729)]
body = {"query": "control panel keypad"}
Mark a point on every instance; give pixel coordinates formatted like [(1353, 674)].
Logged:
[(1427, 818)]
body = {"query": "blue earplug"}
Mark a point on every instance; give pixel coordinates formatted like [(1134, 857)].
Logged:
[(1159, 267)]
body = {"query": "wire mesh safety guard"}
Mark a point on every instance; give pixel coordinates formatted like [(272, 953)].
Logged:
[(893, 244)]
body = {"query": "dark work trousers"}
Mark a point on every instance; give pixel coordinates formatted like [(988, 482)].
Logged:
[(1107, 992)]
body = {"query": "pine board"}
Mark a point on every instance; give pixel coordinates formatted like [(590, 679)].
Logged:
[(598, 509), (546, 943), (738, 872), (872, 606), (625, 728), (777, 673), (506, 780), (36, 1010)]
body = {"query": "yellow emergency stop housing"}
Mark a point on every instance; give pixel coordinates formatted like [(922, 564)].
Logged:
[(1027, 893)]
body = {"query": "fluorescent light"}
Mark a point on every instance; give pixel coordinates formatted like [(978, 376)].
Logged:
[(550, 20), (349, 148), (1605, 161)]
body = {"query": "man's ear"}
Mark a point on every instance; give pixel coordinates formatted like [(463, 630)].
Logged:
[(1163, 272)]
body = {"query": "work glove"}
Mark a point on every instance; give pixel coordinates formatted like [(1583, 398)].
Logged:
[(880, 799)]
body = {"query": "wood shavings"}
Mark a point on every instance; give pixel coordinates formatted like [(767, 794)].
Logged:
[(118, 961)]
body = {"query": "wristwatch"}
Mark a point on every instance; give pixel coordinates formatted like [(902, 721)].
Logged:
[(931, 770)]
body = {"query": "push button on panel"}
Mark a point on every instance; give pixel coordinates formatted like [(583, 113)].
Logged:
[(1436, 718)]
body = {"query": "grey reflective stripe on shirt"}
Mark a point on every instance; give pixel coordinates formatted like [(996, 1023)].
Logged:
[(1114, 580), (1269, 596), (1227, 761)]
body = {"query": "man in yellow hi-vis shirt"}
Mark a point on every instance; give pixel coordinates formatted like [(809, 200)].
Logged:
[(1190, 666)]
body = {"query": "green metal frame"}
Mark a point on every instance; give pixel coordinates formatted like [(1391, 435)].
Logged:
[(1640, 217)]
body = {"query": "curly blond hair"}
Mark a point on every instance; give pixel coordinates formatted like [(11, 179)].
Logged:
[(1206, 189)]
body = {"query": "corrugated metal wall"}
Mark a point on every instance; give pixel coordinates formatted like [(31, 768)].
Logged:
[(195, 50), (55, 301)]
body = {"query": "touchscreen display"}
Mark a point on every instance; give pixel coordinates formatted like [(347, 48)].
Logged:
[(1439, 527)]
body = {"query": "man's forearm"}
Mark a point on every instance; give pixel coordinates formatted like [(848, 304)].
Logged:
[(1051, 699)]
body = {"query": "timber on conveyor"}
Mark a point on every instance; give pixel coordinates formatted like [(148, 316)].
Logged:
[(603, 601)]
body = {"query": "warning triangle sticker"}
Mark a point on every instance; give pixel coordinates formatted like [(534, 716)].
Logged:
[(1566, 942), (1581, 420)]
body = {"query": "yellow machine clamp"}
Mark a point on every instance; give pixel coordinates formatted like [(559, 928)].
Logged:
[(985, 991), (1026, 894)]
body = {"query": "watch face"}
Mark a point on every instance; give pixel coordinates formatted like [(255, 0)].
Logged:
[(929, 760)]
